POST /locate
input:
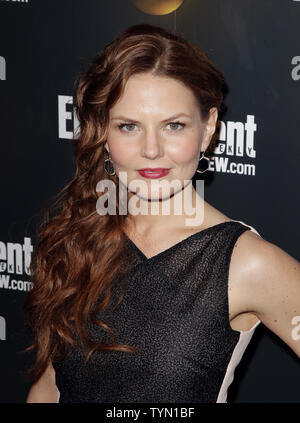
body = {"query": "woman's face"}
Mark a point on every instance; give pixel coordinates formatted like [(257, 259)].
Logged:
[(144, 133)]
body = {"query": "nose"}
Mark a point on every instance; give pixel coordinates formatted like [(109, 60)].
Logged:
[(151, 147)]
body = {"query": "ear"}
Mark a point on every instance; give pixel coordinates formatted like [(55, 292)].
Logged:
[(209, 128), (106, 147)]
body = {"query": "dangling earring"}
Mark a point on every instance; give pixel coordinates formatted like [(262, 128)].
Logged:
[(108, 166), (206, 158)]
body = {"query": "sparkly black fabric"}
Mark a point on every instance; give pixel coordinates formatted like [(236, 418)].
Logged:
[(175, 309)]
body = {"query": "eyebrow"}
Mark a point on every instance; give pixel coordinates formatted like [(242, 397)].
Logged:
[(136, 121)]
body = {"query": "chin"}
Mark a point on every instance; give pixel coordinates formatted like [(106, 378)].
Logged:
[(156, 194)]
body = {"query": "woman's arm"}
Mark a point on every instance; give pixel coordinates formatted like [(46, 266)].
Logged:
[(270, 287), (44, 390)]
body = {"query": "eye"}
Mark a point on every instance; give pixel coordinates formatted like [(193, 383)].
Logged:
[(122, 125), (177, 123)]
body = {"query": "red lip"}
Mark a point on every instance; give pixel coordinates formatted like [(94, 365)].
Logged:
[(153, 173)]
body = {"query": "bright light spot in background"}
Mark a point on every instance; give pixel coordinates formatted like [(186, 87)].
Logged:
[(157, 7)]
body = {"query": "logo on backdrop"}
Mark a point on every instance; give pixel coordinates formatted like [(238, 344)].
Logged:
[(296, 70), (2, 329), (235, 142), (15, 259), (2, 68), (68, 124)]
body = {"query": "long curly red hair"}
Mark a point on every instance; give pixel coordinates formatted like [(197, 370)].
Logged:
[(79, 253)]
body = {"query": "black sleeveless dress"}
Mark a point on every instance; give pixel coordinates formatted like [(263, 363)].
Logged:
[(175, 310)]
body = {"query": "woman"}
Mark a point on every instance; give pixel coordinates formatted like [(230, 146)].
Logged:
[(193, 290)]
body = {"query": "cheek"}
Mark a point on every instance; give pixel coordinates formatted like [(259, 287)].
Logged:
[(121, 152), (188, 151)]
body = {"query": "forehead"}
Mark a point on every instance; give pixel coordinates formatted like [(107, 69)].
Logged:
[(146, 91)]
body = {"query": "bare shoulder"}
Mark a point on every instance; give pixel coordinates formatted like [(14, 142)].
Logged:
[(264, 280), (257, 261), (44, 390), (247, 252)]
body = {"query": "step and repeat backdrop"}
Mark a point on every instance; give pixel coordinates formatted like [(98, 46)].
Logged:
[(254, 173)]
